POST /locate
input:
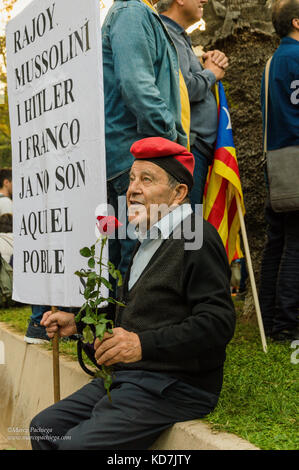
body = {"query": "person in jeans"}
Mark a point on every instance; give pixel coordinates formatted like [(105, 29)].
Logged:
[(177, 16), (144, 95), (168, 345), (279, 280), (36, 333)]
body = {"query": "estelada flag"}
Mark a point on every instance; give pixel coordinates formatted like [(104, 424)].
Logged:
[(219, 203)]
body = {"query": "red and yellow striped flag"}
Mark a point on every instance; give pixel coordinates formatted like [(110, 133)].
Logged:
[(220, 206)]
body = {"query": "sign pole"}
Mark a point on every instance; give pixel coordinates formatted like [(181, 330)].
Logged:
[(56, 374), (251, 274)]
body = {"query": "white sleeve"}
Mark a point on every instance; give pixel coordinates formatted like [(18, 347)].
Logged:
[(5, 205)]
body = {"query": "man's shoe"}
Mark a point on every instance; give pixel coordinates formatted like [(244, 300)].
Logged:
[(286, 335), (36, 334)]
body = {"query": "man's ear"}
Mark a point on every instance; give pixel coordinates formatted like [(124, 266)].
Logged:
[(182, 191)]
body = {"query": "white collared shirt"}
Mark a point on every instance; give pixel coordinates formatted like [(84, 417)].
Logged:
[(153, 239)]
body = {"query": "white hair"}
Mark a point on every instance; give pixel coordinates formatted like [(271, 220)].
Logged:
[(163, 5)]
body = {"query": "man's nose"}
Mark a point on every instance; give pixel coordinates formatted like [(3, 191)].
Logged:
[(134, 186)]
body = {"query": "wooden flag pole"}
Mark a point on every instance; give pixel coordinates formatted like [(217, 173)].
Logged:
[(56, 374), (251, 274)]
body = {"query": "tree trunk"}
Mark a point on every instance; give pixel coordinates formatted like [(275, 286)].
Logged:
[(225, 17)]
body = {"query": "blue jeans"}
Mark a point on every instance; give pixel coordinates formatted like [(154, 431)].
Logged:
[(200, 175), (279, 282), (120, 249)]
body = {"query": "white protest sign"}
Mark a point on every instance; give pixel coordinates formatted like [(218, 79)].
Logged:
[(56, 105)]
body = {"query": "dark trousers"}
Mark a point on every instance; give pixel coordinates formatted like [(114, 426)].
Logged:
[(279, 283), (121, 247), (244, 275), (200, 175), (143, 405)]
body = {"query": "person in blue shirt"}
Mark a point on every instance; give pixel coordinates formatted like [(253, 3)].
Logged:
[(200, 78), (144, 95), (279, 282)]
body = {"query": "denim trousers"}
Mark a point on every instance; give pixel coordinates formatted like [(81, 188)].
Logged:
[(279, 281), (200, 175)]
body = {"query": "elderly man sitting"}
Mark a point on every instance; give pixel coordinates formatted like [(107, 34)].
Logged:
[(168, 345)]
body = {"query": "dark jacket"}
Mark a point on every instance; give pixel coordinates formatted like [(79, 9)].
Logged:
[(283, 105), (182, 311), (141, 82)]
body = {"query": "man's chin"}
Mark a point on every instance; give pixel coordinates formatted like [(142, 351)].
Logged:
[(138, 222), (136, 213)]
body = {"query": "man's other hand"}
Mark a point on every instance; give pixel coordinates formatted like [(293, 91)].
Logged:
[(121, 346)]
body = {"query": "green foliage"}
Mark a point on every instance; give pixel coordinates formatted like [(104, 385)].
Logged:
[(5, 146), (17, 317), (5, 154), (6, 7), (88, 313)]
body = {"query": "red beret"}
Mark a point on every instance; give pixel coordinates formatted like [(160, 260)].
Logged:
[(173, 158)]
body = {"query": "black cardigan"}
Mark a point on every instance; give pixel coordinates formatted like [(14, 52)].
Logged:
[(182, 311)]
